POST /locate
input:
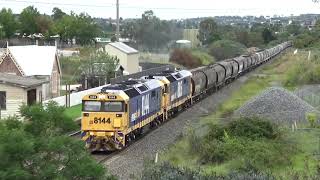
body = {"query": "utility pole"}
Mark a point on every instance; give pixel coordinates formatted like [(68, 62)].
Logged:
[(118, 28)]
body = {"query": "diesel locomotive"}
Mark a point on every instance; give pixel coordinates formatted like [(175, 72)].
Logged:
[(114, 117)]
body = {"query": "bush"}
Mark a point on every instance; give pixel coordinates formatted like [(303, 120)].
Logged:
[(312, 118), (253, 128), (47, 120), (37, 149), (185, 58), (204, 57), (303, 72), (253, 143), (169, 172), (225, 49)]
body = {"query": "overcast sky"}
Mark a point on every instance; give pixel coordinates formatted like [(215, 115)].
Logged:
[(170, 9)]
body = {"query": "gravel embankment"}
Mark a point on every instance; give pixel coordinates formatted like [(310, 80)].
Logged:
[(277, 104)]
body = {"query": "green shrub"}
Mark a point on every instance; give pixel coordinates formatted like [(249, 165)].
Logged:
[(303, 72), (204, 57), (47, 120), (254, 143), (312, 118), (166, 171), (253, 128)]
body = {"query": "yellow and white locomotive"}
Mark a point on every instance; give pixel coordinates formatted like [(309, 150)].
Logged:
[(112, 118)]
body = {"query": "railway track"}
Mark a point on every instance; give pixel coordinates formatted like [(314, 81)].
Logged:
[(109, 157), (76, 133)]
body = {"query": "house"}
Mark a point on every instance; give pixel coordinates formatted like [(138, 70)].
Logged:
[(16, 90), (40, 62), (128, 56)]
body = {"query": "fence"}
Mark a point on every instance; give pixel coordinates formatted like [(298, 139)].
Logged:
[(75, 98)]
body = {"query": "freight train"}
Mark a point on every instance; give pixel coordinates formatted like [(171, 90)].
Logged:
[(116, 116)]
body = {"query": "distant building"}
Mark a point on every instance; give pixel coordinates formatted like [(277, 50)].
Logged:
[(40, 62), (101, 42), (16, 90), (192, 36), (128, 56), (183, 44)]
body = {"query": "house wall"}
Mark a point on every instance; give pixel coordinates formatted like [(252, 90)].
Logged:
[(55, 80), (130, 62), (8, 66), (133, 63), (15, 97)]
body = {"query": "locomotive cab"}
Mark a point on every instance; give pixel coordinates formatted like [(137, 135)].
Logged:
[(103, 115)]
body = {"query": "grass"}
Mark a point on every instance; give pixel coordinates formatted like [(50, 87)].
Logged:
[(307, 159), (73, 112), (273, 73)]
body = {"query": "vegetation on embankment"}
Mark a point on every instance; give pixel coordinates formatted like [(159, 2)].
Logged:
[(304, 70), (221, 147), (38, 148)]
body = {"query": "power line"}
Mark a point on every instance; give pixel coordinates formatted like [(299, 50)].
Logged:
[(135, 7), (59, 4)]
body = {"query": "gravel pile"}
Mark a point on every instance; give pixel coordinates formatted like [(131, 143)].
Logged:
[(276, 104)]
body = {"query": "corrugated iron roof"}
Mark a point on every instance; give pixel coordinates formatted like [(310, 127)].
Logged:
[(123, 47), (34, 60), (24, 82)]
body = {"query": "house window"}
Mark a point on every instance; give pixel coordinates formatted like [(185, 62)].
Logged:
[(3, 97)]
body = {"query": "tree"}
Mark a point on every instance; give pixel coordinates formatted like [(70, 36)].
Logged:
[(294, 28), (28, 20), (243, 37), (267, 35), (225, 49), (57, 14), (44, 152), (8, 22), (2, 33), (151, 32), (100, 64), (255, 39), (80, 27), (66, 27), (208, 31), (44, 24), (86, 29)]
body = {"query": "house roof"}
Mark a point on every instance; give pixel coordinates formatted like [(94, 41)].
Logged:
[(123, 47), (19, 81), (34, 60)]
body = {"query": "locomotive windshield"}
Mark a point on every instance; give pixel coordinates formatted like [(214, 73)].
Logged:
[(98, 106), (92, 106), (113, 106)]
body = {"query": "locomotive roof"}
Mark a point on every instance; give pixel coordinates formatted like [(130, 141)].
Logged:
[(133, 87), (172, 76)]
